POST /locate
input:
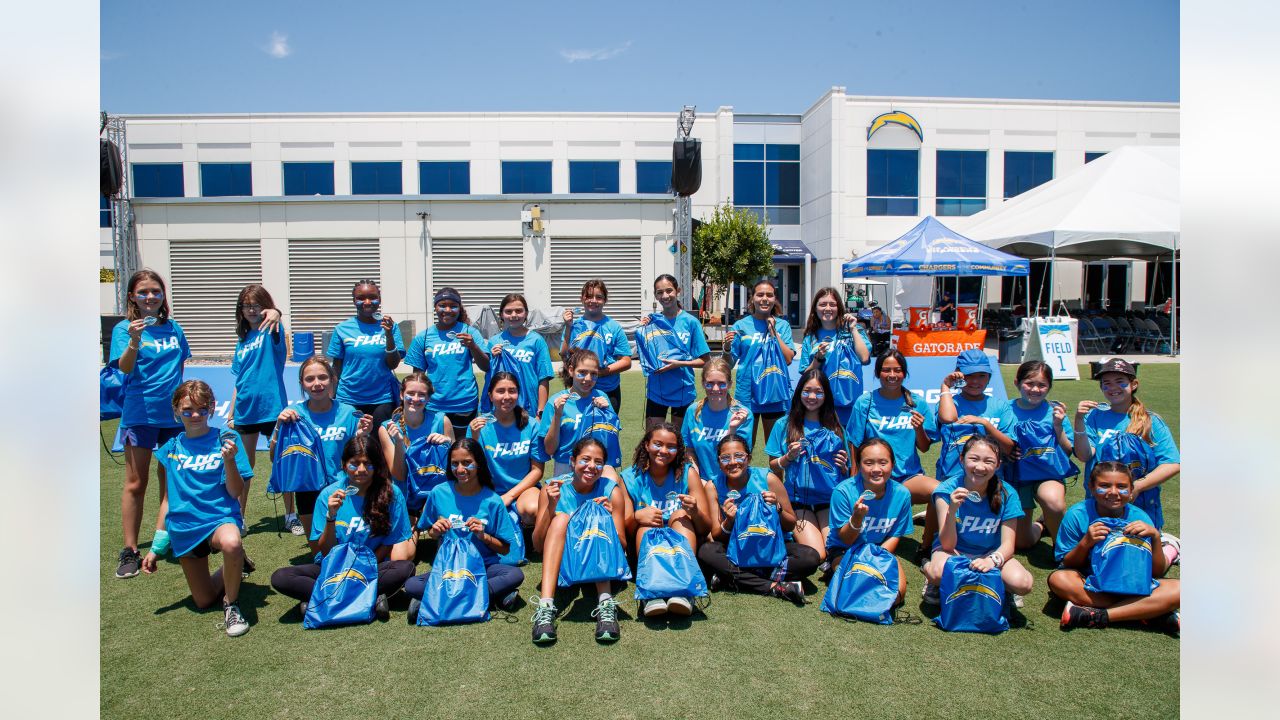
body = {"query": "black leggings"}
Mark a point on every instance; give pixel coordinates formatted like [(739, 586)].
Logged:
[(381, 413), (801, 561), (615, 397), (297, 581), (502, 580), (304, 503)]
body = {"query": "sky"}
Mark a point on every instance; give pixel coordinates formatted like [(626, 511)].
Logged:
[(759, 57)]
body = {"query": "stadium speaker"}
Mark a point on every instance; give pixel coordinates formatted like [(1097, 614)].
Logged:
[(686, 166), (111, 173)]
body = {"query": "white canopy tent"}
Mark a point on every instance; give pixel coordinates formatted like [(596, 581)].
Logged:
[(1124, 204)]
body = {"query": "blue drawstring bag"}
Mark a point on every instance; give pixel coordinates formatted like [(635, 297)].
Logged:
[(971, 601), (756, 538), (502, 362), (667, 567), (655, 343), (111, 385), (425, 468), (815, 474), (770, 381), (298, 462), (604, 425), (592, 550), (951, 438), (457, 588), (864, 585), (1120, 564), (843, 371), (1042, 457), (516, 554), (346, 590), (1140, 456)]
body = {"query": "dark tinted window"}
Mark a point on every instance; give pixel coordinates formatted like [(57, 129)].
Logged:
[(743, 151), (157, 180), (653, 176), (1025, 170), (1091, 156), (893, 182), (308, 178), (222, 179), (593, 176), (524, 176), (376, 178), (444, 178)]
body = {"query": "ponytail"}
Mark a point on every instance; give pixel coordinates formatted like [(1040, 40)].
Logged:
[(1139, 418)]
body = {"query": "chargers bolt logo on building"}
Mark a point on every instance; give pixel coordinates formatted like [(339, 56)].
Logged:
[(897, 117)]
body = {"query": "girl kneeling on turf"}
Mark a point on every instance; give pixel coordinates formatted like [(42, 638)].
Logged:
[(666, 491), (738, 479), (1111, 491), (363, 507), (411, 427), (870, 508), (1041, 456), (512, 447), (713, 417), (467, 504), (559, 425), (591, 481), (978, 514), (204, 474)]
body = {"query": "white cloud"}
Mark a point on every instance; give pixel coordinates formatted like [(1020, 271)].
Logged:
[(598, 54), (279, 45)]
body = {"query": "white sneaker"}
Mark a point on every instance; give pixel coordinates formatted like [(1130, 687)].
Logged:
[(679, 606), (1173, 542), (294, 525), (655, 607), (233, 621), (1018, 602), (930, 595)]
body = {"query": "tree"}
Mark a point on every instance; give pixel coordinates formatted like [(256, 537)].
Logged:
[(731, 247)]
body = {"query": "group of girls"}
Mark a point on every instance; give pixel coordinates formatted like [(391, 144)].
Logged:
[(843, 467)]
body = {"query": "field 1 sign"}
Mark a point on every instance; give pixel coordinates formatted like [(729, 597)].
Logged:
[(1055, 344)]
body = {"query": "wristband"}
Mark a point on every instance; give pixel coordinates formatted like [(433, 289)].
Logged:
[(330, 518), (855, 527), (998, 558), (160, 543)]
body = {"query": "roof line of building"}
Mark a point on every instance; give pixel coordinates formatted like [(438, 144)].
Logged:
[(557, 198)]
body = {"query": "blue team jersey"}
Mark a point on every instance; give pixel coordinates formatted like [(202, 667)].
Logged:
[(335, 427), (197, 487), (674, 388), (351, 526), (646, 492), (953, 436), (977, 528), (809, 484), (362, 349), (1102, 425), (750, 332), (449, 365), (757, 482), (606, 339), (510, 451), (569, 420), (702, 431), (889, 516), (446, 502), (258, 367), (876, 416), (532, 363), (570, 498), (157, 372), (1075, 524)]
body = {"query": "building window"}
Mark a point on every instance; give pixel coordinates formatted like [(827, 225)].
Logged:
[(653, 176), (308, 178), (157, 180), (1026, 170), (893, 182), (223, 179), (376, 178), (766, 181), (525, 176), (104, 212), (444, 178), (593, 176), (1091, 156), (962, 182)]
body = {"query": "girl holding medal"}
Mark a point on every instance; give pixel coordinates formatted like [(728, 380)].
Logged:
[(669, 389), (365, 350), (448, 351), (826, 326)]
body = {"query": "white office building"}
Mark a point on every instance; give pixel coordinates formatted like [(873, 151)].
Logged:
[(309, 203)]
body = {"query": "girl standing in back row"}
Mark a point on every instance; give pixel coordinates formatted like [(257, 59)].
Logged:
[(676, 333), (365, 351), (744, 342), (603, 336), (447, 353), (258, 367)]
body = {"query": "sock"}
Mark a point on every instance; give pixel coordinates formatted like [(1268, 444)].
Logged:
[(290, 516), (1170, 553), (604, 596), (546, 602)]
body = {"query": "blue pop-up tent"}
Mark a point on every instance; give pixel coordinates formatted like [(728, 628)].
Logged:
[(931, 248)]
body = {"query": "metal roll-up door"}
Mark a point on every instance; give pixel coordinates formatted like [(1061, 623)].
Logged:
[(614, 260), (205, 278), (482, 270), (321, 276)]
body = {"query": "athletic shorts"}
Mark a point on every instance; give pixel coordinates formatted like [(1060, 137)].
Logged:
[(262, 428), (656, 409), (814, 508), (148, 437), (1027, 492)]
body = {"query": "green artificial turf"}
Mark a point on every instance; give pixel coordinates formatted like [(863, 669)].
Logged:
[(746, 657)]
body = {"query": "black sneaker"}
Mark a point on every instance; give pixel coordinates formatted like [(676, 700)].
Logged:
[(380, 608), (414, 606), (792, 591), (302, 609), (1074, 616), (130, 564), (544, 624), (507, 603), (715, 583), (606, 615), (1171, 624)]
